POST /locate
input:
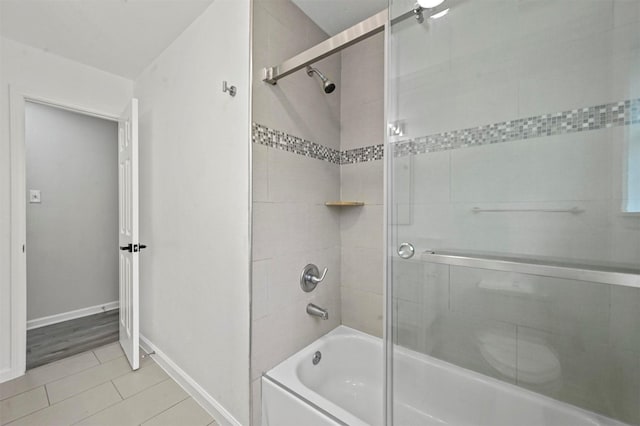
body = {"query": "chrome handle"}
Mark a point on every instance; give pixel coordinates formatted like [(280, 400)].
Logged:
[(406, 250), (318, 280), (311, 277)]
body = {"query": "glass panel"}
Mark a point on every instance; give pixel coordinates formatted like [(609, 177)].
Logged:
[(514, 172)]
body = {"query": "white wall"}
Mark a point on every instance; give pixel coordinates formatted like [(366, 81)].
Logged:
[(72, 233), (194, 203), (57, 78)]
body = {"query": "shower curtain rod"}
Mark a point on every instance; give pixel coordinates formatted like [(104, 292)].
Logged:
[(360, 31)]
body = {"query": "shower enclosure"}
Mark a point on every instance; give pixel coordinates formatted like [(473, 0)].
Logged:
[(513, 206)]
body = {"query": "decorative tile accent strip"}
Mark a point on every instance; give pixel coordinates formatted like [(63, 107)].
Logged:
[(359, 155), (281, 140), (614, 114), (604, 116)]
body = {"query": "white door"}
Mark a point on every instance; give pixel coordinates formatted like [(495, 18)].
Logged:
[(128, 232)]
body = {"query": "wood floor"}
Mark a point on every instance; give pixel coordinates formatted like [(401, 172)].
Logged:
[(98, 388), (58, 341)]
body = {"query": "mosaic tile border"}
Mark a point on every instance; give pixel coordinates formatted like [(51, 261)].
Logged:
[(604, 116), (359, 155), (264, 135)]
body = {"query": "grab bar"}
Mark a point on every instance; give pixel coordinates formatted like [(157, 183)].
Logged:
[(573, 210), (622, 276)]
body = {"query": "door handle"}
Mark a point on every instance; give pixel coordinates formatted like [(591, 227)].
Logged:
[(133, 247), (406, 250)]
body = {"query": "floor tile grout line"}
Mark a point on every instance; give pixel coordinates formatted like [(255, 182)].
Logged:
[(102, 383), (142, 390), (81, 372), (94, 354), (165, 410), (33, 412), (102, 347), (47, 382), (117, 390), (80, 393), (62, 400), (106, 408), (99, 411)]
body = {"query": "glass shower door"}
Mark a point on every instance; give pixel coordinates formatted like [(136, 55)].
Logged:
[(513, 194)]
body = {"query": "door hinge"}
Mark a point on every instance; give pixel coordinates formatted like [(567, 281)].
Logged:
[(23, 248)]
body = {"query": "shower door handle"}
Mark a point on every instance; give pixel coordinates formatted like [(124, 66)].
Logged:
[(406, 250)]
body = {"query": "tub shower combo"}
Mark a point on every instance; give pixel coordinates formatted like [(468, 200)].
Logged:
[(512, 224)]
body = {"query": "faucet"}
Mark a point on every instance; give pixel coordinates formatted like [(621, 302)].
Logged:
[(317, 311)]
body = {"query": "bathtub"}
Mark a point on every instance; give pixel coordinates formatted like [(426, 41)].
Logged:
[(346, 388)]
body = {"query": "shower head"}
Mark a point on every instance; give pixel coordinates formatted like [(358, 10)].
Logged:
[(327, 84)]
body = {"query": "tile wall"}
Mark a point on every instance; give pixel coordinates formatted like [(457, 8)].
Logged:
[(291, 225), (361, 228), (554, 80)]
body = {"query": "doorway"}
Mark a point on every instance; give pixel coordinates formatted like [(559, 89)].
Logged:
[(71, 232)]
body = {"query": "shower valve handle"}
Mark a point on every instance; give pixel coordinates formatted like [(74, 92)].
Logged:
[(318, 280), (311, 277)]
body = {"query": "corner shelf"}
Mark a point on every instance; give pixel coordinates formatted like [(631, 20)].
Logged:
[(344, 203)]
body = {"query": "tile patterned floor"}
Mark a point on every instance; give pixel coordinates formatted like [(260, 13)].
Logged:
[(98, 388)]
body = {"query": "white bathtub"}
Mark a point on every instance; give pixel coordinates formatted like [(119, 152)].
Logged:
[(346, 387)]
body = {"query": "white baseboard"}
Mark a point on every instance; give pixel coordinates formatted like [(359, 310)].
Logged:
[(9, 374), (66, 316), (213, 407)]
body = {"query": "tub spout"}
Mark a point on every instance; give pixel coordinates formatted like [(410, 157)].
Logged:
[(317, 311)]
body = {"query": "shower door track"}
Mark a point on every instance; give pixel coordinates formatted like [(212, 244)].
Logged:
[(626, 277), (358, 32)]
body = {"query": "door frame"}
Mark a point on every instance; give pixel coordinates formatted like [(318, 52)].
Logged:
[(18, 96)]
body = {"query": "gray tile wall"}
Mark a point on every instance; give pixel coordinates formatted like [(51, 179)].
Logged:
[(361, 228), (291, 225)]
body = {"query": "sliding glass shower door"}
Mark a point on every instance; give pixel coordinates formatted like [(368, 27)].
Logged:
[(513, 157)]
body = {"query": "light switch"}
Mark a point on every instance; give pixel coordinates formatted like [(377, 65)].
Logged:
[(34, 196)]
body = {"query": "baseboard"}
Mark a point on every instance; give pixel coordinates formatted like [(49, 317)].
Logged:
[(9, 374), (66, 316), (213, 407)]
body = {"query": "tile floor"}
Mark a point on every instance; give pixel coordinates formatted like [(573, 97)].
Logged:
[(98, 388)]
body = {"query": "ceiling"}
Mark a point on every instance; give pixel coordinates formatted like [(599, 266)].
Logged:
[(334, 16), (118, 36)]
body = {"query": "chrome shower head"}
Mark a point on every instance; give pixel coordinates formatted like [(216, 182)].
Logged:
[(327, 84)]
